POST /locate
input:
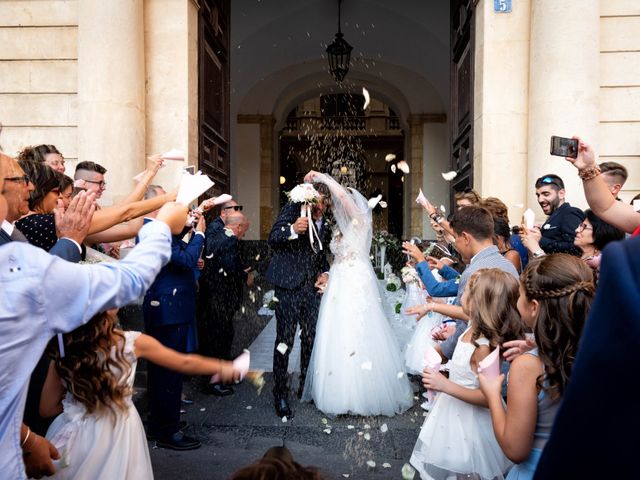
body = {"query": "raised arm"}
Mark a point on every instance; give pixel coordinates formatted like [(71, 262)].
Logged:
[(338, 192), (154, 162), (599, 198), (109, 216)]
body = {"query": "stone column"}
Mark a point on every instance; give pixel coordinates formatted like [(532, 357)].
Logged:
[(416, 155), (563, 87), (111, 90), (268, 189)]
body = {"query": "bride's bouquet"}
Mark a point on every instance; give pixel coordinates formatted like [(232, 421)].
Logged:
[(306, 195)]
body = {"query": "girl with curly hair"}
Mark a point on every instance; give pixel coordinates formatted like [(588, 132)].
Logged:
[(100, 434), (555, 297)]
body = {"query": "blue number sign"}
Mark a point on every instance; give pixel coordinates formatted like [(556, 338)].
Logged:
[(502, 6)]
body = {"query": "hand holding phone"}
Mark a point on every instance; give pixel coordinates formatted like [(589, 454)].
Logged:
[(564, 147)]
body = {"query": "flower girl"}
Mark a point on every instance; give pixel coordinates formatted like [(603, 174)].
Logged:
[(100, 434), (555, 298), (457, 437)]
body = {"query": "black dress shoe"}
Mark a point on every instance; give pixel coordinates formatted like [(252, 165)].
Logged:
[(219, 389), (282, 408), (300, 391), (178, 441), (181, 424)]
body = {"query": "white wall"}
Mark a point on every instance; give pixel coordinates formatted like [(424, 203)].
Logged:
[(435, 161), (247, 175)]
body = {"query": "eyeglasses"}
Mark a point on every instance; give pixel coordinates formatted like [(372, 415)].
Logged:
[(237, 208), (101, 183), (582, 227), (21, 179)]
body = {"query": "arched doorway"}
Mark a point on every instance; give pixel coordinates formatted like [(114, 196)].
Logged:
[(334, 134)]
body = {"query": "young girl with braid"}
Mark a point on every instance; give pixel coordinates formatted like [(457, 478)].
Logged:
[(555, 297), (100, 434)]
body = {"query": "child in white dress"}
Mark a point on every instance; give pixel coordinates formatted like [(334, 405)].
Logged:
[(457, 437), (99, 434)]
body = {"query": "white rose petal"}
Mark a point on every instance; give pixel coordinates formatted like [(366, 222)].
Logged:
[(345, 475), (350, 427), (327, 431), (282, 348), (442, 209), (367, 426), (284, 419), (389, 157), (367, 436), (257, 257), (386, 465), (408, 473), (367, 98), (202, 409), (382, 204), (384, 428), (325, 421), (448, 176), (249, 407), (371, 464), (403, 166), (393, 168)]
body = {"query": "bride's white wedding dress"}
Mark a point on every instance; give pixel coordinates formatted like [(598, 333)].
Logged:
[(356, 366)]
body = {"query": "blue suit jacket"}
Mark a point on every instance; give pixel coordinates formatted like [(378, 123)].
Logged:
[(171, 298), (64, 248), (294, 261), (585, 443)]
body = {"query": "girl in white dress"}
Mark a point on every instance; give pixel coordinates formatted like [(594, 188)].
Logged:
[(99, 434), (356, 366), (457, 437)]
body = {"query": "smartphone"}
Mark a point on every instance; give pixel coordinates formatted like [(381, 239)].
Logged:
[(564, 147)]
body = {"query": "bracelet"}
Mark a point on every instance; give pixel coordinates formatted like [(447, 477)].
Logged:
[(26, 438), (589, 173)]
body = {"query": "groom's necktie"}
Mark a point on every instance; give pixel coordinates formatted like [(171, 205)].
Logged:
[(319, 226)]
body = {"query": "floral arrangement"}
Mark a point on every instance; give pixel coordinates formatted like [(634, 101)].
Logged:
[(303, 193), (382, 238), (270, 300), (393, 282), (409, 275)]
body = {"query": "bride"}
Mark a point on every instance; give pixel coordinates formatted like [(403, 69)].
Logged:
[(356, 366)]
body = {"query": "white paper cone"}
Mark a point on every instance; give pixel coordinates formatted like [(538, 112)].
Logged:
[(529, 218), (173, 154), (192, 186)]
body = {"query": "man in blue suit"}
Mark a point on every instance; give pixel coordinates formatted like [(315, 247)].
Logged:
[(583, 443), (169, 313), (295, 269)]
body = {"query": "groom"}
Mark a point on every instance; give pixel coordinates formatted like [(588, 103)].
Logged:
[(297, 272)]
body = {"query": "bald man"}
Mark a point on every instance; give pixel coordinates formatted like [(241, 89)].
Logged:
[(221, 287)]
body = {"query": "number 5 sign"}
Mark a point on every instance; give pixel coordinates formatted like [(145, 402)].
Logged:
[(502, 6)]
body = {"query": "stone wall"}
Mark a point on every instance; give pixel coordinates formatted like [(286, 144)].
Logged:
[(38, 75), (620, 88)]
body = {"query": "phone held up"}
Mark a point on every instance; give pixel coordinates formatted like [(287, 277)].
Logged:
[(564, 147)]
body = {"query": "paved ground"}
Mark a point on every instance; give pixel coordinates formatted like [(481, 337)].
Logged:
[(238, 429)]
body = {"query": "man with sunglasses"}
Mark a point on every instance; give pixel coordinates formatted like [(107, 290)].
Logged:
[(558, 232)]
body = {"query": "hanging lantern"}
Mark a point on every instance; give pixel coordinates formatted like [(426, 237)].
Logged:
[(339, 54)]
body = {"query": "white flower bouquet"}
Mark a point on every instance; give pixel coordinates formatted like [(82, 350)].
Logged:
[(306, 195), (409, 275)]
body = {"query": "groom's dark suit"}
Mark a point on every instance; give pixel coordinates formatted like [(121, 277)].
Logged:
[(294, 269)]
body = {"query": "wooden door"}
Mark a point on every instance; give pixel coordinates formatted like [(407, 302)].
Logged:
[(213, 65), (461, 78)]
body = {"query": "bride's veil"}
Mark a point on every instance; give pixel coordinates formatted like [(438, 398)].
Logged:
[(352, 215)]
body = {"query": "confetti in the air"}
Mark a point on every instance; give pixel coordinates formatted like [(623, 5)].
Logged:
[(386, 465), (448, 176), (382, 204), (403, 166), (371, 464), (327, 431), (393, 168), (284, 419), (384, 428), (389, 157), (282, 348), (367, 365), (408, 473), (367, 436), (367, 98)]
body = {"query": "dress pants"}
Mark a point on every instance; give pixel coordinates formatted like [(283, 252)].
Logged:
[(164, 385), (298, 305)]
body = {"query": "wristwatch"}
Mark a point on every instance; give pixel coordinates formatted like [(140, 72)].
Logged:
[(538, 253)]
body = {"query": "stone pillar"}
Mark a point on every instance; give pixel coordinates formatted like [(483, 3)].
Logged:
[(111, 90), (268, 189), (416, 154), (563, 87)]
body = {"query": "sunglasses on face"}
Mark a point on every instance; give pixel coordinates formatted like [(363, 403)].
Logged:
[(21, 179), (237, 208)]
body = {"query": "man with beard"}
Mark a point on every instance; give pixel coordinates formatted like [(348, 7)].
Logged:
[(559, 231)]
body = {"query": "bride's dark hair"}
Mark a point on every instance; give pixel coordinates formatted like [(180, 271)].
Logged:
[(94, 375)]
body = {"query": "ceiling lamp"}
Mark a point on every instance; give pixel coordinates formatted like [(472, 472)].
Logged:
[(339, 53)]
